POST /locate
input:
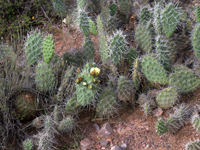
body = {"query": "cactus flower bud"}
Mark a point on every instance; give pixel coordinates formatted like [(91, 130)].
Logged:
[(84, 83), (89, 87)]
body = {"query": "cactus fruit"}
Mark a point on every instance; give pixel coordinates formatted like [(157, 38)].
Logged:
[(143, 37), (87, 85), (196, 40), (66, 125), (166, 51), (131, 56), (60, 7), (169, 19), (28, 144), (161, 127), (193, 145), (184, 81), (48, 48), (92, 28), (113, 9), (33, 48), (84, 23), (44, 77), (153, 70), (26, 105), (117, 47), (167, 97), (107, 104), (196, 122), (125, 89), (173, 125), (88, 49), (145, 16), (197, 12), (57, 114)]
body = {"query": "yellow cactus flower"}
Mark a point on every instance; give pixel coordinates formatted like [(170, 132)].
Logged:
[(94, 71)]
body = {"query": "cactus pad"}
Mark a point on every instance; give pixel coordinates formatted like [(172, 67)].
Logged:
[(48, 48)]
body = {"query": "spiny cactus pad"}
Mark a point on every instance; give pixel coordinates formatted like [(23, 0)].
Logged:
[(125, 89), (131, 56), (170, 19), (48, 48), (107, 104), (193, 145), (66, 125), (111, 26), (113, 9), (28, 144), (33, 48), (197, 12), (173, 124), (92, 28), (153, 70), (167, 97), (196, 40), (184, 81), (60, 7), (145, 16), (84, 23), (117, 47), (44, 77), (196, 122), (143, 37), (161, 127), (88, 49)]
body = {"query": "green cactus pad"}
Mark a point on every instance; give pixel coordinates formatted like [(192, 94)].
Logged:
[(100, 26), (113, 9), (28, 144), (173, 125), (48, 48), (158, 24), (118, 48), (60, 7), (107, 104), (66, 125), (44, 77), (196, 40), (88, 49), (184, 81), (131, 56), (111, 26), (81, 4), (145, 16), (161, 127), (169, 19), (136, 73), (123, 5), (26, 105), (33, 48), (197, 12), (125, 89), (196, 122), (57, 114), (167, 97), (92, 28), (153, 70), (143, 37), (71, 107), (193, 145), (84, 23)]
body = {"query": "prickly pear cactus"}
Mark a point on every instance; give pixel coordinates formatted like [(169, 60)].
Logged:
[(88, 49), (57, 114), (81, 4), (48, 48), (196, 122), (71, 107), (107, 104), (161, 127), (60, 7), (123, 5), (125, 89), (110, 26), (169, 19), (33, 47), (66, 125), (143, 37), (113, 9), (173, 124), (196, 40), (158, 25), (87, 85), (193, 145), (184, 81), (84, 23), (167, 97), (92, 28), (197, 12), (131, 56), (44, 77), (28, 144), (117, 47), (136, 73), (26, 105), (153, 70), (145, 16)]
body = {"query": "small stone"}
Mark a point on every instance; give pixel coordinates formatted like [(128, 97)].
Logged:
[(96, 127), (104, 143), (118, 130), (98, 146), (85, 143), (157, 112), (124, 146), (106, 129), (116, 148), (167, 146)]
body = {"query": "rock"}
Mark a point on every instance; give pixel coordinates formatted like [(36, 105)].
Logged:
[(116, 148), (157, 112), (98, 146), (85, 143), (106, 129), (96, 126), (124, 146), (104, 143)]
